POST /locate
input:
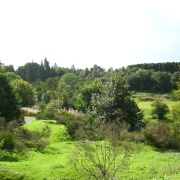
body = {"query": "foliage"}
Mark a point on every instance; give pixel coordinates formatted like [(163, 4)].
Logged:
[(167, 66), (114, 104), (163, 135), (30, 139), (160, 109), (68, 87), (8, 141), (2, 152), (176, 93), (25, 91), (157, 134), (9, 68), (176, 113), (162, 81), (9, 106), (46, 114), (78, 126), (2, 123), (83, 101)]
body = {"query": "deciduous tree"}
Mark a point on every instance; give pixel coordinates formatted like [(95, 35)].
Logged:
[(114, 104)]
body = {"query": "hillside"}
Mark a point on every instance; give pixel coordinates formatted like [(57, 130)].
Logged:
[(53, 162)]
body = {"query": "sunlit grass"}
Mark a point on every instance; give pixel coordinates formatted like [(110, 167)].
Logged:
[(146, 107)]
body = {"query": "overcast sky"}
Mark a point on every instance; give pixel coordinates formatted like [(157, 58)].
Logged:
[(108, 33)]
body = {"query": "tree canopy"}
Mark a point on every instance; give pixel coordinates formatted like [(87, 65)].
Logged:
[(114, 104), (9, 103)]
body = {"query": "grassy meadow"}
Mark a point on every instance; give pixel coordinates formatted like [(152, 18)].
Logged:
[(53, 162)]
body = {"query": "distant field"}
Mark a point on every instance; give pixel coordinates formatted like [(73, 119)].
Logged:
[(144, 101), (53, 163)]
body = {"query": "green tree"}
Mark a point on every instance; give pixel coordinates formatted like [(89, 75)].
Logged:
[(41, 73), (9, 68), (9, 103), (176, 93), (83, 100), (47, 69), (25, 92), (68, 88), (114, 104), (162, 81), (174, 79), (160, 109)]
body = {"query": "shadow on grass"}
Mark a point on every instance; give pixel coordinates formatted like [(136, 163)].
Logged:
[(165, 150), (10, 158), (51, 122), (50, 150)]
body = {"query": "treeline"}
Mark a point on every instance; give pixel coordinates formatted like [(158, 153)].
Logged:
[(151, 77), (168, 66)]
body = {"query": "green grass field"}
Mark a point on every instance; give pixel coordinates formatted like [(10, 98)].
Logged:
[(145, 105), (53, 163)]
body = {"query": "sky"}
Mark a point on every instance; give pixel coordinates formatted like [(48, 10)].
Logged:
[(108, 33)]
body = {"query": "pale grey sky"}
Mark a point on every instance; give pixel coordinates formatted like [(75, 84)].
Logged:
[(109, 33)]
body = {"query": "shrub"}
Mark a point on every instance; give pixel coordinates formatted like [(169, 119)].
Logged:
[(78, 126), (163, 135), (31, 139), (8, 141), (176, 113), (175, 135), (158, 134), (11, 126), (160, 109), (2, 152), (46, 114)]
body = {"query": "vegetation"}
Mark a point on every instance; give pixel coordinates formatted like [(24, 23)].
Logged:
[(94, 122), (9, 102), (114, 104), (160, 109)]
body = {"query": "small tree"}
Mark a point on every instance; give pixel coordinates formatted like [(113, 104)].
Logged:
[(114, 104), (160, 109), (102, 159), (25, 91)]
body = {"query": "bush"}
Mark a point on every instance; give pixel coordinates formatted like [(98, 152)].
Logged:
[(78, 126), (8, 141), (157, 135), (163, 135), (175, 135), (46, 114), (176, 113), (159, 110), (31, 139)]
